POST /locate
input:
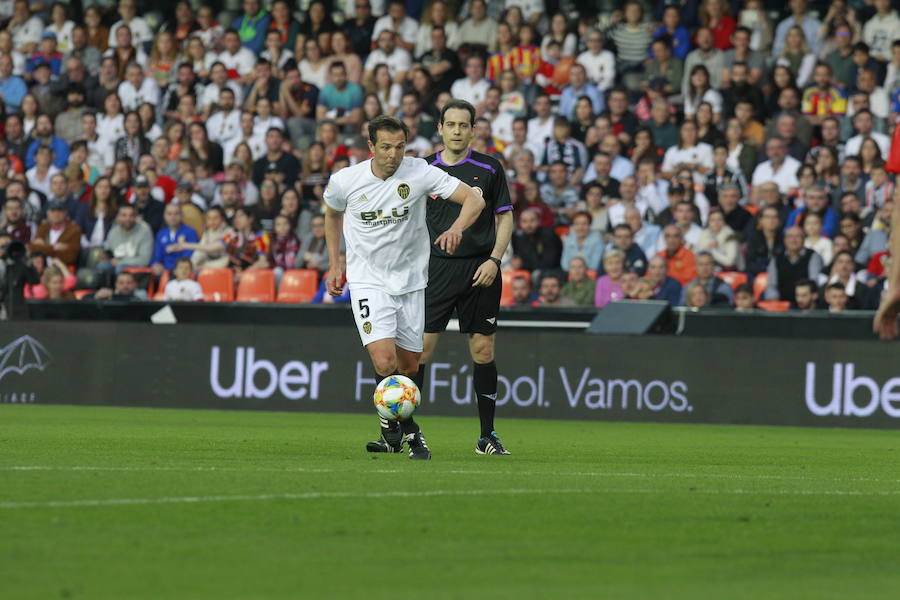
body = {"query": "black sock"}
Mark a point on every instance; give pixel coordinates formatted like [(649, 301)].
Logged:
[(409, 426), (419, 380), (485, 379)]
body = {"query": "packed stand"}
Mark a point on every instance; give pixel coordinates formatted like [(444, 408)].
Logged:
[(709, 154)]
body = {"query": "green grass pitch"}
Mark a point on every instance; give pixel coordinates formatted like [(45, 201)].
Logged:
[(140, 503)]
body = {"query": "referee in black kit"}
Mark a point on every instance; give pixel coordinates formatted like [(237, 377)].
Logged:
[(468, 281)]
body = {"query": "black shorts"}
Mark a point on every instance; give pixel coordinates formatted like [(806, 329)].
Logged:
[(450, 288)]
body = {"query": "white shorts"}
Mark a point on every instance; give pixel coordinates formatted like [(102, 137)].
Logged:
[(380, 316)]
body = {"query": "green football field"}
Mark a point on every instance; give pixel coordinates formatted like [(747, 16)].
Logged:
[(140, 503)]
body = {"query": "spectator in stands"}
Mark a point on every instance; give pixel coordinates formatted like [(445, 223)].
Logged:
[(780, 168), (479, 31), (182, 288), (312, 252), (663, 287), (609, 286), (551, 293), (53, 281), (836, 297), (696, 296), (14, 223), (645, 235), (663, 70), (582, 242), (57, 236), (579, 288), (718, 293), (743, 298), (806, 295), (842, 271), (599, 64), (787, 268), (125, 289), (688, 154), (720, 241), (521, 291), (209, 251), (276, 159), (579, 86), (559, 193), (168, 246), (43, 135), (816, 202), (247, 247), (149, 208), (679, 259), (129, 243), (535, 247), (814, 240), (341, 100), (623, 241)]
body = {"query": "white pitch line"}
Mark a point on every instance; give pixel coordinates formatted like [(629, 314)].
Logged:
[(285, 496), (418, 494), (251, 468)]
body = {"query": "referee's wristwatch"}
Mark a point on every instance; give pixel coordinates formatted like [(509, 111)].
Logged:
[(496, 261)]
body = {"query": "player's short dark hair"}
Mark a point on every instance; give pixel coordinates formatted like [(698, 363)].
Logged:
[(386, 123), (458, 104)]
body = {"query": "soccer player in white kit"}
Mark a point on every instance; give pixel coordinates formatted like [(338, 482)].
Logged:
[(379, 204)]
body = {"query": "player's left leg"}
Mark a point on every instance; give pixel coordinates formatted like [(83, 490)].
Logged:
[(410, 332)]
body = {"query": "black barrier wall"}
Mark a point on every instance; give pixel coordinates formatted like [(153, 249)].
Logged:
[(543, 374)]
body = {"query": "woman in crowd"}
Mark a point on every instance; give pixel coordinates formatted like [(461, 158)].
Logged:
[(313, 66), (264, 119), (781, 78), (328, 136), (436, 14), (699, 90), (697, 296), (644, 147), (61, 27), (29, 109), (707, 130), (827, 167), (111, 122), (279, 57), (195, 55), (268, 206), (163, 59), (741, 154), (814, 240), (560, 32), (285, 247), (313, 173), (582, 242), (765, 242), (870, 155), (317, 26), (609, 286), (423, 85), (313, 253), (101, 214), (720, 240), (97, 33), (797, 57), (202, 150), (583, 118), (342, 51), (371, 107), (291, 207), (388, 92), (247, 246), (210, 250), (152, 131), (284, 24), (133, 144), (54, 281)]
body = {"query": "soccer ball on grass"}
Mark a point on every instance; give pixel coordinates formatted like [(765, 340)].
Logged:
[(396, 398)]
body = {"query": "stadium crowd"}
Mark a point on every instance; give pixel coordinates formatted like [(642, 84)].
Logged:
[(719, 153)]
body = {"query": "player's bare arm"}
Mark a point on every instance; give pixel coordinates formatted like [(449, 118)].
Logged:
[(488, 270), (885, 324), (334, 223), (472, 204)]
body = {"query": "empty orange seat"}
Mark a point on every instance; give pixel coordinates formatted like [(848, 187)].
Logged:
[(733, 278), (561, 231), (217, 284), (257, 285), (774, 305), (759, 285), (298, 285)]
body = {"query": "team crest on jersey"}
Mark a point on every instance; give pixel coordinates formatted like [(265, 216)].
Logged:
[(403, 190), (367, 327)]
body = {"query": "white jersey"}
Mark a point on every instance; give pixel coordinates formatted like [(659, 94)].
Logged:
[(384, 222)]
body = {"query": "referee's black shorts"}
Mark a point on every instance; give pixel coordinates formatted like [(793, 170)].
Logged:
[(450, 288)]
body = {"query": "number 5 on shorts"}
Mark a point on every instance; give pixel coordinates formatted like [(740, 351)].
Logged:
[(363, 308)]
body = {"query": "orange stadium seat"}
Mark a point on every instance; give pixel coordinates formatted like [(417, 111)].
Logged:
[(561, 231), (733, 278), (161, 287), (298, 285), (143, 274), (217, 284), (592, 273), (759, 285), (774, 305), (257, 285)]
